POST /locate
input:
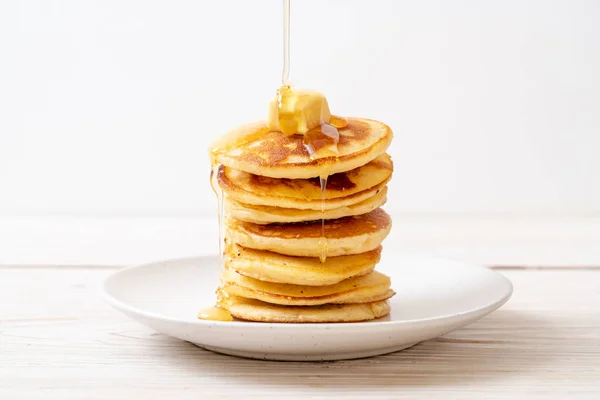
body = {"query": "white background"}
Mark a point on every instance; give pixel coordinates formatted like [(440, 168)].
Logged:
[(107, 107)]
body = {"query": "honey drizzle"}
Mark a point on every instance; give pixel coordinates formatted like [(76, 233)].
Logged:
[(320, 142), (214, 176), (323, 239), (219, 311), (221, 217), (338, 122)]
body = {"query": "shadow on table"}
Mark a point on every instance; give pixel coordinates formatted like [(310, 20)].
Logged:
[(504, 344)]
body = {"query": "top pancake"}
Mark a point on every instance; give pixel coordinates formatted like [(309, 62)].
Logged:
[(254, 149)]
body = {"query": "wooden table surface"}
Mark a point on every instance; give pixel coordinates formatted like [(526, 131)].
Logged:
[(59, 340)]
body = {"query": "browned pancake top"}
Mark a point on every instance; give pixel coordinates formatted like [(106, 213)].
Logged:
[(276, 147), (259, 146), (372, 222)]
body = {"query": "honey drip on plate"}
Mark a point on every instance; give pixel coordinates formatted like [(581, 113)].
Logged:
[(218, 312), (215, 313)]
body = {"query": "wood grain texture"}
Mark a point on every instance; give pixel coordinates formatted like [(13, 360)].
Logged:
[(58, 340)]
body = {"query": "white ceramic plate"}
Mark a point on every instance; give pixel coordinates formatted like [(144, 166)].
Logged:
[(434, 297)]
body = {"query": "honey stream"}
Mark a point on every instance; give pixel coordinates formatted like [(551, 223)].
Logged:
[(286, 44)]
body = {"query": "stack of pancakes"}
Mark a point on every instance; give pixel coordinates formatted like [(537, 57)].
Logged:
[(278, 267)]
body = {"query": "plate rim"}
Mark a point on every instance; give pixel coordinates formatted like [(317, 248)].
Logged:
[(369, 325)]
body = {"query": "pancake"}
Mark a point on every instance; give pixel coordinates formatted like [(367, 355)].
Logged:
[(267, 215), (254, 149), (273, 267), (365, 289), (256, 310), (349, 235), (343, 189)]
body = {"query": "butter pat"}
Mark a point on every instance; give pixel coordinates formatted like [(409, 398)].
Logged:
[(297, 111)]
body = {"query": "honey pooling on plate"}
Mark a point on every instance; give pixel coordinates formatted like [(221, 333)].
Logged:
[(301, 226), (215, 313)]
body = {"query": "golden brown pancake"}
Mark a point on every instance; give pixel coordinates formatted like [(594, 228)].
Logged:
[(268, 215), (343, 189), (256, 150), (279, 268), (256, 310), (274, 213), (365, 289), (349, 235)]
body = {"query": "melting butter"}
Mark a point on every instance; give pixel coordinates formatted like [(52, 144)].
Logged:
[(297, 111)]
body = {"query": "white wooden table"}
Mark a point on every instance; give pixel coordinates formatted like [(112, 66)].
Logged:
[(58, 340)]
